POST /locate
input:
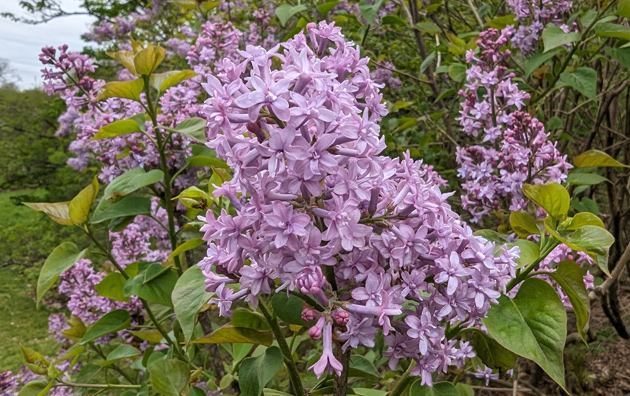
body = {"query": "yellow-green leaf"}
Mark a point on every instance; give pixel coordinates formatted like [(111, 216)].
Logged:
[(121, 127), (125, 58), (523, 223), (552, 197), (58, 211), (236, 335), (596, 158), (148, 59), (186, 246), (163, 81), (122, 89), (79, 207)]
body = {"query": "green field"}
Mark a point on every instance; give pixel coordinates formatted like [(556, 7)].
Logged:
[(20, 258)]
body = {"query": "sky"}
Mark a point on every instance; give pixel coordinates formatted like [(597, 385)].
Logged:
[(20, 44)]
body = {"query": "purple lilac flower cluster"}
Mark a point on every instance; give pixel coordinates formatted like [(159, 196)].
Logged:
[(68, 69), (516, 149), (539, 13), (16, 382), (108, 30), (319, 211), (8, 384), (78, 285)]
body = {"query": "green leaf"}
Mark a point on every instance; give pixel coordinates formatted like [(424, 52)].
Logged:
[(58, 211), (112, 287), (229, 334), (554, 37), (369, 11), (123, 351), (427, 27), (189, 295), (186, 246), (583, 79), (131, 181), (425, 63), (594, 240), (569, 277), (35, 361), (523, 224), (623, 9), (77, 329), (491, 236), (552, 197), (464, 389), (256, 372), (538, 60), (286, 11), (325, 8), (585, 179), (530, 252), (163, 81), (62, 258), (621, 55), (193, 127), (361, 367), (151, 335), (121, 127), (243, 317), (79, 207), (122, 89), (584, 219), (596, 158), (109, 323), (157, 288), (491, 353), (501, 22), (289, 309), (532, 325), (148, 59), (128, 206), (457, 72), (38, 387), (368, 392), (612, 30), (273, 392), (393, 20), (169, 376), (585, 205), (438, 389)]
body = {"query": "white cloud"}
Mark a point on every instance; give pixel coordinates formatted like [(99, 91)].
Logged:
[(21, 43)]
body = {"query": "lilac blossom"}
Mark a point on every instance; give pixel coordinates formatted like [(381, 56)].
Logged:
[(318, 210), (514, 147)]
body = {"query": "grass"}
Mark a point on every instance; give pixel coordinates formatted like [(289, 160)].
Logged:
[(20, 321)]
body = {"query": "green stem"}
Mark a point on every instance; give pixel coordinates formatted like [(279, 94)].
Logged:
[(403, 382), (113, 366), (145, 305), (552, 244), (168, 204), (97, 386), (294, 374)]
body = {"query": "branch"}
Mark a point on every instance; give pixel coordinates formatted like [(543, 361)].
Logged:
[(614, 276)]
